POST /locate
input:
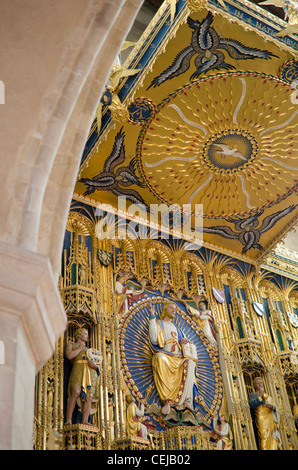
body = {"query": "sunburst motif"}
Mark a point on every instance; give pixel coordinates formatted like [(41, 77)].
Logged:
[(219, 140)]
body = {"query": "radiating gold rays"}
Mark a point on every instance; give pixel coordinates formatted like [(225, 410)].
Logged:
[(175, 156), (136, 355)]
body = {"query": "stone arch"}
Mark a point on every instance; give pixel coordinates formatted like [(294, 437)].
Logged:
[(47, 163), (56, 62)]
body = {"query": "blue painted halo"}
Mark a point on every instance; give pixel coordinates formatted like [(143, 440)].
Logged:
[(136, 356)]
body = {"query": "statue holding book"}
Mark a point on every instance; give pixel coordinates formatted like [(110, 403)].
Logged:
[(173, 362)]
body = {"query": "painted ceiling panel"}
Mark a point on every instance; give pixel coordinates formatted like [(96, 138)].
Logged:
[(207, 115)]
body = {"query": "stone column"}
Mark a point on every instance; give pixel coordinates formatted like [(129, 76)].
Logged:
[(31, 318)]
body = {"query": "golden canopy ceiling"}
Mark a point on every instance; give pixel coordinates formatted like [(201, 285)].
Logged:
[(210, 118)]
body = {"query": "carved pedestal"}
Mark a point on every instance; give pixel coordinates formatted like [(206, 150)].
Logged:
[(131, 443), (81, 437), (186, 438)]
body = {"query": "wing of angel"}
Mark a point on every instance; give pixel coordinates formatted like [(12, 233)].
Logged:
[(224, 148), (223, 231), (99, 182), (172, 9), (130, 194), (216, 62), (127, 44), (153, 409), (180, 65), (189, 417), (236, 50), (172, 415), (271, 220), (201, 39), (117, 156), (119, 72), (201, 419), (241, 223), (291, 29), (128, 177), (239, 155), (277, 3), (222, 3), (194, 418)]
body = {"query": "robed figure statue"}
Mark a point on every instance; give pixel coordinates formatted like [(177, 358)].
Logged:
[(173, 361), (83, 386), (265, 416)]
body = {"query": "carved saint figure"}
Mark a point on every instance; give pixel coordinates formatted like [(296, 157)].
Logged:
[(265, 416), (136, 421), (83, 386), (205, 320), (125, 296), (173, 369), (222, 433)]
